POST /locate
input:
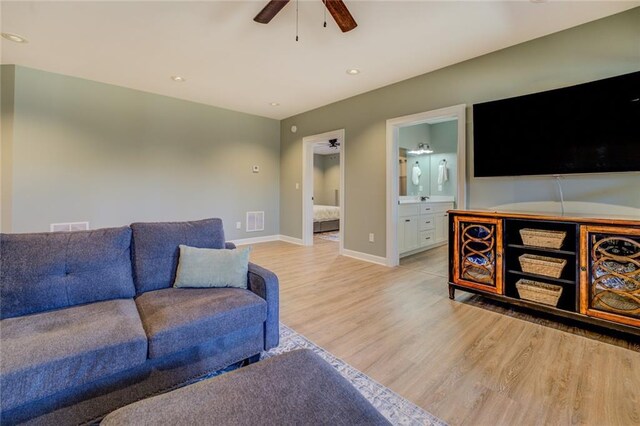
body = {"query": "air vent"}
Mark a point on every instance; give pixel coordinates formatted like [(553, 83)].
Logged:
[(71, 226), (255, 221)]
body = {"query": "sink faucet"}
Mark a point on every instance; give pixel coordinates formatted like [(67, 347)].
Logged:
[(424, 198)]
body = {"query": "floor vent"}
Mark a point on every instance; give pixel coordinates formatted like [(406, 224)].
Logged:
[(71, 226), (255, 221)]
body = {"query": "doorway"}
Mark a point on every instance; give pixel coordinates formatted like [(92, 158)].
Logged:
[(456, 116), (326, 199)]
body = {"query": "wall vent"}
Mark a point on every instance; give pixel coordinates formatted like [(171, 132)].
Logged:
[(255, 221), (71, 226)]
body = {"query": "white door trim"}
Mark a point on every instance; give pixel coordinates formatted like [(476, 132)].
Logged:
[(307, 184), (393, 132)]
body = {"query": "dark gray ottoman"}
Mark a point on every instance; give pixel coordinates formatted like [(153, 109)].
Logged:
[(295, 388)]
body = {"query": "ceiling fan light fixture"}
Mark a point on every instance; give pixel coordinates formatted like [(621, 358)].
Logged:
[(353, 71), (336, 8), (14, 38)]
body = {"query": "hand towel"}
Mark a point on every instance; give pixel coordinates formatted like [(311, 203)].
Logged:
[(415, 175), (443, 175)]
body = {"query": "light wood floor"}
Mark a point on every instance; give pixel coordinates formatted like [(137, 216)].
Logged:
[(462, 362)]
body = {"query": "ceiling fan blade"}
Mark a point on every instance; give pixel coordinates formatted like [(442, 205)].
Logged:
[(341, 15), (270, 10)]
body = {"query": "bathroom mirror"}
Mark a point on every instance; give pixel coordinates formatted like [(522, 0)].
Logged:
[(427, 159)]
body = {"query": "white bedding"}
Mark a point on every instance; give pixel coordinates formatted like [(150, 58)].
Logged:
[(324, 213)]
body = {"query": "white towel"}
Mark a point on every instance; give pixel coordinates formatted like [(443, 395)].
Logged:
[(415, 175), (443, 175)]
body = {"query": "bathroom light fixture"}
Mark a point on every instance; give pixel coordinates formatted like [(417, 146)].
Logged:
[(353, 71), (422, 149), (178, 78), (14, 37)]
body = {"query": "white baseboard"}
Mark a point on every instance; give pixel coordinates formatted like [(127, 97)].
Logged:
[(255, 240), (266, 239), (291, 240), (348, 253), (366, 257)]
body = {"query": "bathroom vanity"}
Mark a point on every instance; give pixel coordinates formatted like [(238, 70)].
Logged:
[(422, 225)]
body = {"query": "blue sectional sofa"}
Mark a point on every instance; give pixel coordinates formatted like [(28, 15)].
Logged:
[(90, 320)]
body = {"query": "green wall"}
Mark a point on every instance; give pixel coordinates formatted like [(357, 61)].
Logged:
[(600, 49), (87, 151), (444, 139)]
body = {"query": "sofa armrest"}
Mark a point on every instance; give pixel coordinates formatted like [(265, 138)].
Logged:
[(229, 245), (265, 284)]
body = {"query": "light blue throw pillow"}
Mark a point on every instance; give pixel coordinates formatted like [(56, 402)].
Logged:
[(198, 267)]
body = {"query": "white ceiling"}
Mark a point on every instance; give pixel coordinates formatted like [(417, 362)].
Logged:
[(232, 62)]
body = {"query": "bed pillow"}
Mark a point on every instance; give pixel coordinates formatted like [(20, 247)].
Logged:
[(198, 267)]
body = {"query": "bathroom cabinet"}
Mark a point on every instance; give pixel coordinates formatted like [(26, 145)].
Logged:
[(422, 225)]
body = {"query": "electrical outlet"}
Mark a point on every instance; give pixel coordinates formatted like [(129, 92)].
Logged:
[(238, 225), (297, 185), (371, 237)]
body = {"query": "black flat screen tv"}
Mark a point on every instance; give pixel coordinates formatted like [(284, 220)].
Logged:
[(588, 128)]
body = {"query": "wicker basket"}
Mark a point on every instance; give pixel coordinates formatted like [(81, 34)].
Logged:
[(542, 265), (542, 238), (536, 291)]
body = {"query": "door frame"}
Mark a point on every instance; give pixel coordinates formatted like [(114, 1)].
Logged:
[(307, 184), (393, 134)]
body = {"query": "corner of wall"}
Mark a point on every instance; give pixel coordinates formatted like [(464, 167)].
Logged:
[(7, 96)]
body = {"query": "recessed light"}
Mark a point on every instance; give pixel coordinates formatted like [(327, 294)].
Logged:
[(178, 78), (353, 71), (274, 104), (15, 38)]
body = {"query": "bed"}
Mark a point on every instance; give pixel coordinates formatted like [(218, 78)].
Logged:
[(326, 218)]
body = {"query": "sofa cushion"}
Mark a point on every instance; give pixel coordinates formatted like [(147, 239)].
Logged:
[(178, 318), (155, 249), (51, 351), (45, 271)]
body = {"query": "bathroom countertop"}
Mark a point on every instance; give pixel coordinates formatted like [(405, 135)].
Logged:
[(431, 199)]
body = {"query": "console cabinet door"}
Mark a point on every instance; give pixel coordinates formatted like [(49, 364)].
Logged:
[(478, 253), (610, 273)]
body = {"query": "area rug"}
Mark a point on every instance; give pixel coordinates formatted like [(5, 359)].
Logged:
[(392, 406), (330, 236)]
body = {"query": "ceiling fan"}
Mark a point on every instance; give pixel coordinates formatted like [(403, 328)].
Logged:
[(336, 8)]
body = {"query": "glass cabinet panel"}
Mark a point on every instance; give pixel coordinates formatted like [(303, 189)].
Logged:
[(611, 274), (478, 248)]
